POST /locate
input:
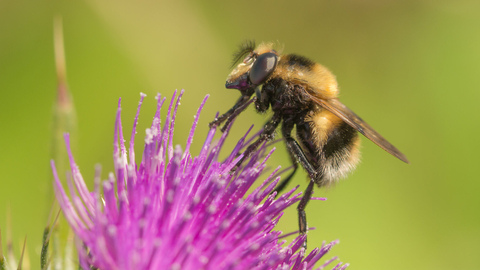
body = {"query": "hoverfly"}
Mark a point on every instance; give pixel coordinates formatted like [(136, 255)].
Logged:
[(302, 94)]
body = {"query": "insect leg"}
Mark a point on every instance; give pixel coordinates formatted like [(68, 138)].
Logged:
[(287, 127), (267, 134), (302, 216), (244, 99), (295, 150), (237, 111)]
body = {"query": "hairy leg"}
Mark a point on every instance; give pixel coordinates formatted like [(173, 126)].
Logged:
[(241, 103), (296, 151), (267, 134)]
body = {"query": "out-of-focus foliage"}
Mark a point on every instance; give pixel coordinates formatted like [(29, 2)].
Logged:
[(410, 68)]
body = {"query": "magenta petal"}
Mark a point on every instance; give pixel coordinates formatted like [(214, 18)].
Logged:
[(178, 211)]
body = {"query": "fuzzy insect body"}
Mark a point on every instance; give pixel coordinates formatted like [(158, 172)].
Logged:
[(302, 94)]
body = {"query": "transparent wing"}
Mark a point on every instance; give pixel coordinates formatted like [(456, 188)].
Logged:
[(349, 117)]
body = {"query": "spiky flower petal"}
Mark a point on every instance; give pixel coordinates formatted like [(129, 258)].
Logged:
[(176, 211)]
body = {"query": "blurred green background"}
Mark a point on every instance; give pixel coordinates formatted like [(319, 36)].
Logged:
[(410, 68)]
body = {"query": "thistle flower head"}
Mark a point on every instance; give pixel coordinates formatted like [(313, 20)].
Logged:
[(177, 211)]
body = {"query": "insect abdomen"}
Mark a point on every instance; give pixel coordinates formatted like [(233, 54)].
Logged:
[(337, 146)]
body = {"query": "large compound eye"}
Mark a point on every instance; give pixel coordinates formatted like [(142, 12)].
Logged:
[(262, 68)]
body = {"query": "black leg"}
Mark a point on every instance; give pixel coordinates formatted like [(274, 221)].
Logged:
[(236, 112), (267, 134), (296, 151), (302, 216), (296, 155), (294, 148), (244, 99)]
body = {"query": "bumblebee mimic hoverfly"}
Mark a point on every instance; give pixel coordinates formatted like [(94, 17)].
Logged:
[(302, 94)]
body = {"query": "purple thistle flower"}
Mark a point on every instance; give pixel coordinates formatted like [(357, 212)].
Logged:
[(175, 211)]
